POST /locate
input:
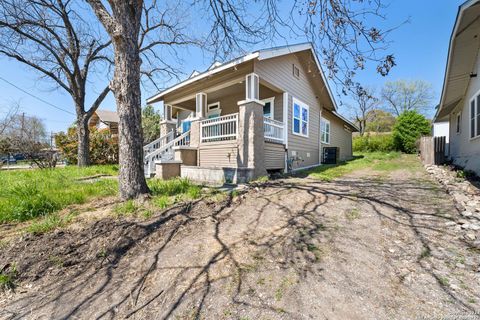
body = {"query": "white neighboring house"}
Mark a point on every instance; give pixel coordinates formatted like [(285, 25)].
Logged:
[(442, 129), (103, 119), (460, 100)]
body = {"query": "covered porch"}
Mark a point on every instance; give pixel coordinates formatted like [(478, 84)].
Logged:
[(235, 130)]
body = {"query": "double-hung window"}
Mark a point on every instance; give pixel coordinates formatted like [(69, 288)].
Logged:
[(300, 116), (325, 130), (475, 116)]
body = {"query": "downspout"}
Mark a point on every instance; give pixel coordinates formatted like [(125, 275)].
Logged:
[(285, 129), (320, 137)]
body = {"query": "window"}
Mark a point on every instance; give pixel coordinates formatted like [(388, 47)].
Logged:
[(268, 107), (300, 118), (475, 116), (325, 131), (459, 121), (213, 110), (296, 72)]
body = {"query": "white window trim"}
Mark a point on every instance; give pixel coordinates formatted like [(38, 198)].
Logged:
[(324, 120), (272, 106), (302, 105), (475, 111)]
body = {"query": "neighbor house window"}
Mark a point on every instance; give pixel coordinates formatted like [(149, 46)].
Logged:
[(459, 120), (475, 117), (325, 131), (300, 116), (268, 107)]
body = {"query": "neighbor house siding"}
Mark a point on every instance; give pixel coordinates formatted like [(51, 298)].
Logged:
[(279, 73), (464, 151)]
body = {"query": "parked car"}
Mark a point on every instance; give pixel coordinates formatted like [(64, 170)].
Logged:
[(9, 160)]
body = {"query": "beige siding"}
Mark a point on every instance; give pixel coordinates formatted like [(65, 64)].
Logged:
[(218, 154), (278, 72), (229, 103), (266, 93), (339, 137), (274, 155)]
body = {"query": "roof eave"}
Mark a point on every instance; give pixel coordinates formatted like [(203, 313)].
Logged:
[(461, 9)]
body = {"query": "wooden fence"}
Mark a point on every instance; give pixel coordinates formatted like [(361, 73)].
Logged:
[(432, 150)]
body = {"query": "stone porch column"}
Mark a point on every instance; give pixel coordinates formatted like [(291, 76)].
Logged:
[(166, 126), (251, 142)]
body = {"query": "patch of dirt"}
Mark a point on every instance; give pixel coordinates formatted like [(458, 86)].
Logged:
[(357, 247)]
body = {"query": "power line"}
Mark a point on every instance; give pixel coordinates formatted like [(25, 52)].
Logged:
[(38, 98)]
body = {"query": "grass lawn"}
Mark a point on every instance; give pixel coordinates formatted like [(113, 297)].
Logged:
[(378, 161), (28, 194)]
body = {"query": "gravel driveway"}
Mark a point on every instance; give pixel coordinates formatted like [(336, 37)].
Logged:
[(370, 245)]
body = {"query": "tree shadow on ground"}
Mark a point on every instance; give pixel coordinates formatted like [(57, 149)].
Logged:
[(99, 284)]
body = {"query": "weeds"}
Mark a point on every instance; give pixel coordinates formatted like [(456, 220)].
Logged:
[(352, 214), (8, 277)]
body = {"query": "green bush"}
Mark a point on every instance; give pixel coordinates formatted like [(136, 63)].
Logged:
[(410, 126), (374, 143)]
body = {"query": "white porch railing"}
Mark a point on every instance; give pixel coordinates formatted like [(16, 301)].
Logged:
[(158, 143), (183, 140), (165, 152), (273, 130), (219, 129)]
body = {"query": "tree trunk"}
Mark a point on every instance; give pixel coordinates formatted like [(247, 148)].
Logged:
[(126, 88), (83, 133)]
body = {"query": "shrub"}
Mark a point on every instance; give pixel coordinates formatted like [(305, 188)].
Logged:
[(410, 126), (103, 146), (374, 143)]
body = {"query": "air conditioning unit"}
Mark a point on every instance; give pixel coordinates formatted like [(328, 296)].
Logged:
[(329, 155)]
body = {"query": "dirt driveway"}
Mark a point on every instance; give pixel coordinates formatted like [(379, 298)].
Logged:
[(366, 246)]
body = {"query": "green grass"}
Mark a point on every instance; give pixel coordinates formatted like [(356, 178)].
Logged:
[(50, 222), (39, 194), (27, 194), (7, 278), (379, 161)]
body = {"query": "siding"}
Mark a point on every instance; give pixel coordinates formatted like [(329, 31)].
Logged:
[(339, 137), (266, 93), (464, 151), (274, 155), (218, 154), (278, 72)]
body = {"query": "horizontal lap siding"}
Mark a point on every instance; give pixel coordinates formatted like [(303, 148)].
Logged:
[(339, 137), (266, 93), (274, 155), (279, 72), (218, 154)]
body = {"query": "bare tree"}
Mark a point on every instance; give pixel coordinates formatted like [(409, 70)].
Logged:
[(7, 117), (365, 102), (403, 95), (336, 27), (55, 38)]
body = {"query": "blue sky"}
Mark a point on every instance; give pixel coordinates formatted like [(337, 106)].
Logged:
[(420, 48)]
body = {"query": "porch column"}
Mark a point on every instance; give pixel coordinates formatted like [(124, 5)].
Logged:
[(251, 142), (252, 89), (167, 124), (200, 105)]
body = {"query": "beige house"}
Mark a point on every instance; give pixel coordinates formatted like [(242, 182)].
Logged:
[(460, 100), (105, 119), (268, 110)]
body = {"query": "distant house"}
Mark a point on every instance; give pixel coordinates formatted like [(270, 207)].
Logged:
[(103, 119), (460, 100), (268, 110)]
